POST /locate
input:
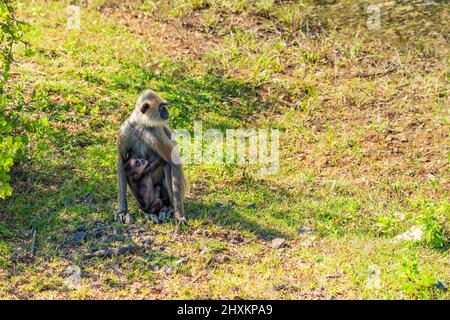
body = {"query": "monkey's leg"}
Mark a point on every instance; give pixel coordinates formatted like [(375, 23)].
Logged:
[(158, 206), (150, 201), (172, 184), (150, 209), (157, 203), (166, 212)]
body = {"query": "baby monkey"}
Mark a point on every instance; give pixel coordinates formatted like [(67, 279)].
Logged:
[(148, 195)]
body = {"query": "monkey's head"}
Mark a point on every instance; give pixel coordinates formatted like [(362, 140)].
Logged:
[(134, 168), (151, 110)]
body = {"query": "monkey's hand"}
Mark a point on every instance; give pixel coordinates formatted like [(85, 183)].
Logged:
[(120, 216)]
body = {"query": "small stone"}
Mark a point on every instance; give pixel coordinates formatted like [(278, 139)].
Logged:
[(251, 206), (441, 285), (278, 243), (77, 237)]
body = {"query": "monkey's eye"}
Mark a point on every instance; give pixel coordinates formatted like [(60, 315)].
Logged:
[(162, 106), (145, 107)]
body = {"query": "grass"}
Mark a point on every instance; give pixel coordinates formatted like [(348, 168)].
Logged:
[(364, 151)]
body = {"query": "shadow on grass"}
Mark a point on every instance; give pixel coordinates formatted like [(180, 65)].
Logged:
[(248, 216), (60, 209), (228, 216), (70, 220)]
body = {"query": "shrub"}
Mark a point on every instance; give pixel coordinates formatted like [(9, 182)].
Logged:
[(11, 143)]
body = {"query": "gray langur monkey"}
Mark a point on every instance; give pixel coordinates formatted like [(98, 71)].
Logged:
[(146, 135)]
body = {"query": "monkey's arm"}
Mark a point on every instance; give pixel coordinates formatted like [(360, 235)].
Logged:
[(167, 132), (122, 213), (169, 152), (153, 165), (122, 180), (178, 186)]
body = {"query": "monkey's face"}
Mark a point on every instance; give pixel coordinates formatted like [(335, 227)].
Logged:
[(134, 168), (154, 110)]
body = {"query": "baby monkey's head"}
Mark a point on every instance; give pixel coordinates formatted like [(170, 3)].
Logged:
[(135, 168)]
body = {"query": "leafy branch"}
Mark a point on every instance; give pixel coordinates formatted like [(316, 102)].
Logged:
[(11, 33)]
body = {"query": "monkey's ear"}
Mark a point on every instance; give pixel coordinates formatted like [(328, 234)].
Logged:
[(145, 107)]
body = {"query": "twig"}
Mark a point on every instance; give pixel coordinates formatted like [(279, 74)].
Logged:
[(114, 251), (376, 74), (30, 69)]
